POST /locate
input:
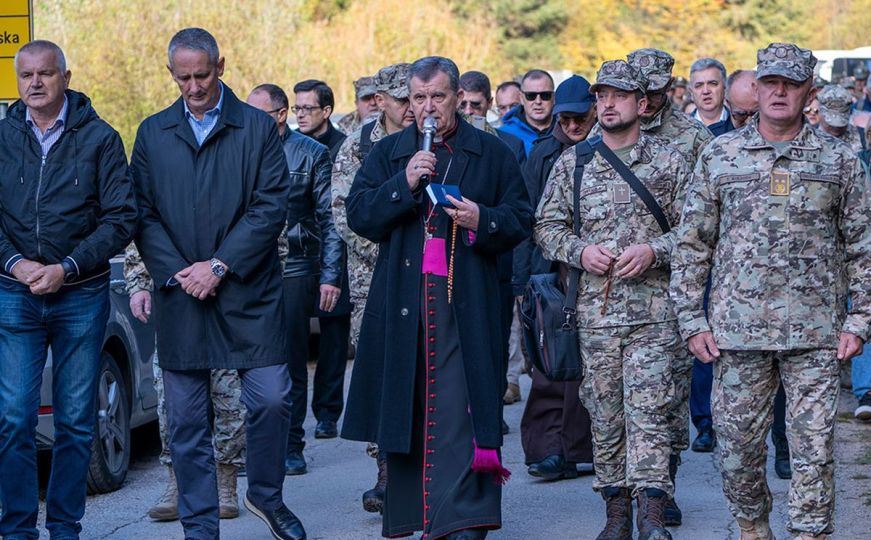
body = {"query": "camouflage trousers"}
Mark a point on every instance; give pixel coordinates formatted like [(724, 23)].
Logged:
[(228, 431), (679, 414), (628, 391), (357, 317), (742, 399)]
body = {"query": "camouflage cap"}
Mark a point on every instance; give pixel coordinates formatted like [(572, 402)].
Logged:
[(786, 60), (393, 80), (655, 64), (364, 86), (835, 104), (847, 82), (819, 82), (680, 82), (620, 74), (861, 73)]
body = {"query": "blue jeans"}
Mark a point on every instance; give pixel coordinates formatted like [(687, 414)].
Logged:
[(861, 373), (72, 322)]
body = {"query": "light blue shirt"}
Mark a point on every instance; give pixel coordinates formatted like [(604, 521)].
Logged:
[(203, 127), (53, 133)]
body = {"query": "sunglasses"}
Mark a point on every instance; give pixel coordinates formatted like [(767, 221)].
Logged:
[(545, 96), (808, 110)]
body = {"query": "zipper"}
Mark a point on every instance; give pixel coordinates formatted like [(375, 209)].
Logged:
[(38, 189)]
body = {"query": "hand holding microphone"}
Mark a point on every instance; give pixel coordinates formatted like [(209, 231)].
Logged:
[(422, 164)]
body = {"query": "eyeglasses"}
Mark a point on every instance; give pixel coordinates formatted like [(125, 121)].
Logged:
[(545, 96), (273, 111), (808, 110), (738, 113), (307, 109)]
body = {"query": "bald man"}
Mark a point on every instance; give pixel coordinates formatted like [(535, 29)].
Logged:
[(741, 96)]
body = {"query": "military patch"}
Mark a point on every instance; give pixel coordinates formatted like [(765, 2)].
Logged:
[(620, 193), (779, 183)]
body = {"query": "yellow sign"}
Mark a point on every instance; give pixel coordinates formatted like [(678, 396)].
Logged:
[(16, 29)]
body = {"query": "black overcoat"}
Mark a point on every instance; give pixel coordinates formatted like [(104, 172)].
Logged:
[(224, 199), (382, 208)]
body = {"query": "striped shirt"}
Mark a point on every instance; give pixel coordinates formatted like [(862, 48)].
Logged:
[(203, 127), (53, 133)]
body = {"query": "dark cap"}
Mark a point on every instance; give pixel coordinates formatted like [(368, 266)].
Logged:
[(655, 64), (786, 60), (620, 74), (573, 95)]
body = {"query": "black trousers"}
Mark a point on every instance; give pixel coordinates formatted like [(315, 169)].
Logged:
[(300, 297), (265, 393)]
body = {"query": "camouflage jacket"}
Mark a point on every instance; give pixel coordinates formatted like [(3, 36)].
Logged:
[(851, 137), (613, 216), (350, 122), (785, 235), (362, 253), (136, 277), (678, 130)]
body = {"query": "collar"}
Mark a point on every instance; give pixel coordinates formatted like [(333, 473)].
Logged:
[(465, 139), (328, 134), (807, 139), (640, 154), (658, 118), (59, 121), (724, 115), (214, 111)]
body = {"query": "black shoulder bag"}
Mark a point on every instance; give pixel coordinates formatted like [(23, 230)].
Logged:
[(547, 314)]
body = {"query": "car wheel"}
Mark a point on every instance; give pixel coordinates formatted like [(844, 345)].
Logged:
[(110, 450)]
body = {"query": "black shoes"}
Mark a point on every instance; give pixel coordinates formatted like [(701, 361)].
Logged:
[(294, 463), (671, 514), (554, 467), (326, 429), (706, 440), (281, 522)]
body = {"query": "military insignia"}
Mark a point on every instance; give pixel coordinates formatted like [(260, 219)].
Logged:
[(779, 183), (644, 61), (620, 194)]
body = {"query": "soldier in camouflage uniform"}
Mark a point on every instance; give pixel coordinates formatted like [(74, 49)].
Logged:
[(678, 130), (835, 108), (229, 427), (778, 213), (391, 85), (364, 100), (629, 333)]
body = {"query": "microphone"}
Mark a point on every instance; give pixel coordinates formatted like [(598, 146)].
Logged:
[(429, 128)]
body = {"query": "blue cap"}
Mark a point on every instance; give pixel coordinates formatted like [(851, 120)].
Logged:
[(573, 95)]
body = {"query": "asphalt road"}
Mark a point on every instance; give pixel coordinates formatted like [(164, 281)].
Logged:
[(327, 499)]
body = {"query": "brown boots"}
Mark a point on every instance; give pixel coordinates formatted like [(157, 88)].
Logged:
[(166, 508), (618, 508), (755, 530), (228, 502), (651, 505), (373, 500)]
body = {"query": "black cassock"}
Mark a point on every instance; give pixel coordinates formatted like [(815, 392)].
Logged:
[(427, 381)]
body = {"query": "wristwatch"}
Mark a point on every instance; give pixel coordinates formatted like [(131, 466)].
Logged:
[(219, 269), (70, 272)]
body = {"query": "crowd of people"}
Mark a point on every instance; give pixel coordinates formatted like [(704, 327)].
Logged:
[(719, 226)]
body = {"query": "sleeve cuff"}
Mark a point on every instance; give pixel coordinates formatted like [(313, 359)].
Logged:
[(854, 325), (695, 325), (13, 260), (661, 253), (574, 251)]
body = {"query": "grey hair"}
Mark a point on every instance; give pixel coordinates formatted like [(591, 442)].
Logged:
[(44, 45), (707, 63), (427, 67), (194, 39), (738, 74)]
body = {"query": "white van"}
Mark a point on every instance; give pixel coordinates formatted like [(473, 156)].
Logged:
[(833, 65)]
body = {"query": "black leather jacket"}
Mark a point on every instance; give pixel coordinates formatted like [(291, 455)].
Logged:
[(313, 243)]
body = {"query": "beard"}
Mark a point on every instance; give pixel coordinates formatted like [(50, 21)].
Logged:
[(618, 126)]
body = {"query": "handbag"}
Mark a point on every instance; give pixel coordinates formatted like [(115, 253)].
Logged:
[(548, 314)]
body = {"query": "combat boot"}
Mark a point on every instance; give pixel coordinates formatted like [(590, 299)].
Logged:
[(782, 467), (651, 504), (166, 508), (755, 530), (618, 509), (228, 501), (672, 516), (373, 500)]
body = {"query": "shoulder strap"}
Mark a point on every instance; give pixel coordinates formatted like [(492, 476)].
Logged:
[(366, 140), (862, 138), (633, 182), (583, 154)]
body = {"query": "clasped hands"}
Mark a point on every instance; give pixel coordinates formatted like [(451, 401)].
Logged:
[(630, 263), (198, 280), (42, 279)]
